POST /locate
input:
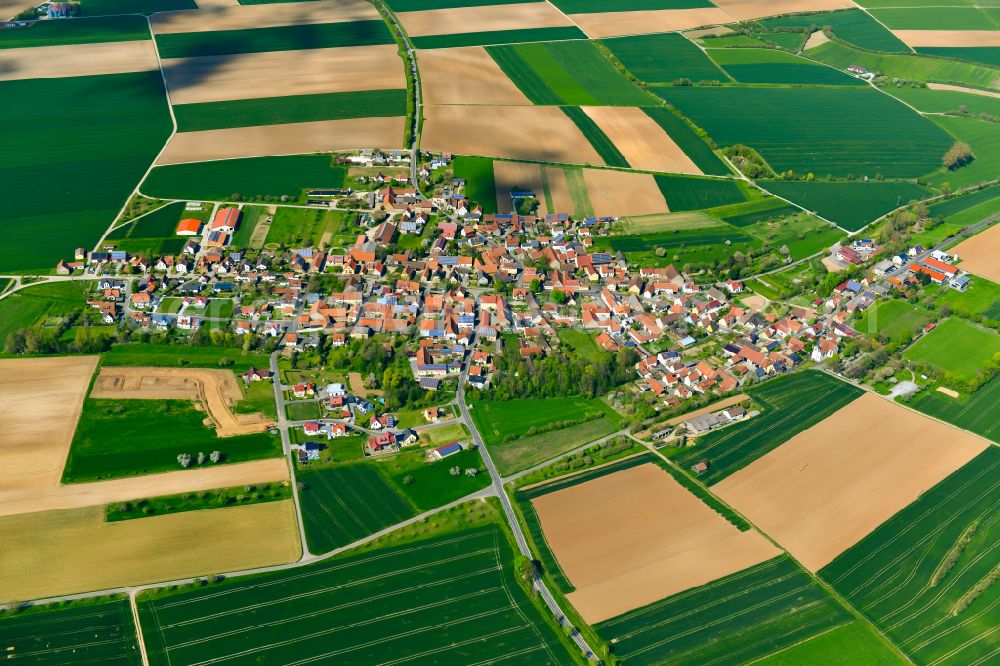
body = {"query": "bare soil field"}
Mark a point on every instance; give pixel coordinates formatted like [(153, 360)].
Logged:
[(228, 15), (216, 390), (62, 552), (78, 495), (979, 254), (482, 19), (11, 8), (717, 31), (633, 537), (539, 133), (826, 488), (291, 139), (743, 10), (643, 143), (818, 38), (54, 62), (963, 89), (755, 302), (616, 24), (947, 391), (562, 200), (949, 37), (623, 193), (466, 75), (280, 73), (40, 403), (516, 176)]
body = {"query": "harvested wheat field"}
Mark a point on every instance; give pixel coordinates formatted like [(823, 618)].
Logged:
[(963, 89), (633, 537), (54, 62), (516, 176), (281, 73), (826, 488), (538, 133), (616, 24), (744, 10), (290, 139), (482, 19), (623, 193), (62, 552), (466, 75), (640, 140), (228, 15), (216, 390), (964, 38), (78, 495), (40, 403), (980, 254)]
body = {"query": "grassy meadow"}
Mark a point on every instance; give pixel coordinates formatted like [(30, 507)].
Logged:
[(957, 347)]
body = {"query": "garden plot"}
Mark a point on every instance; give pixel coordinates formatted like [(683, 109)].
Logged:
[(616, 24), (822, 491), (465, 75), (980, 253), (539, 133), (641, 140), (636, 536), (265, 15), (490, 18), (49, 62), (623, 193), (280, 73), (288, 139)]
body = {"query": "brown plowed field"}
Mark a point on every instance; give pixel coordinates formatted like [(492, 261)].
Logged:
[(228, 15), (466, 75), (280, 73), (615, 24), (539, 133), (623, 193), (949, 37), (516, 176), (822, 491), (633, 537), (62, 552), (640, 140), (482, 19), (980, 254), (53, 62), (562, 200), (743, 10), (963, 89), (291, 139), (216, 390)]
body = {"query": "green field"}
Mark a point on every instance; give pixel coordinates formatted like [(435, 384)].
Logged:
[(497, 37), (851, 25), (116, 438), (198, 501), (985, 142), (154, 233), (280, 38), (751, 212), (431, 484), (850, 205), (171, 356), (956, 347), (531, 450), (120, 122), (664, 58), (500, 421), (248, 177), (943, 101), (773, 66), (304, 226), (805, 130), (248, 222), (937, 18), (980, 297), (76, 31), (791, 404), (33, 305), (302, 411), (688, 193), (574, 73), (290, 109), (914, 575), (480, 186), (956, 205), (788, 40), (912, 67), (582, 344), (986, 55), (688, 140), (896, 319), (848, 644), (596, 136), (595, 6), (975, 412), (343, 504), (450, 599), (97, 631), (737, 619)]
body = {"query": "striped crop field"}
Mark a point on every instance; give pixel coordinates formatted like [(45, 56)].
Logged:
[(791, 404), (664, 58), (849, 205), (345, 503), (926, 576), (733, 620), (488, 37), (851, 25), (687, 139), (596, 136), (89, 633), (976, 412), (449, 599), (773, 66)]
